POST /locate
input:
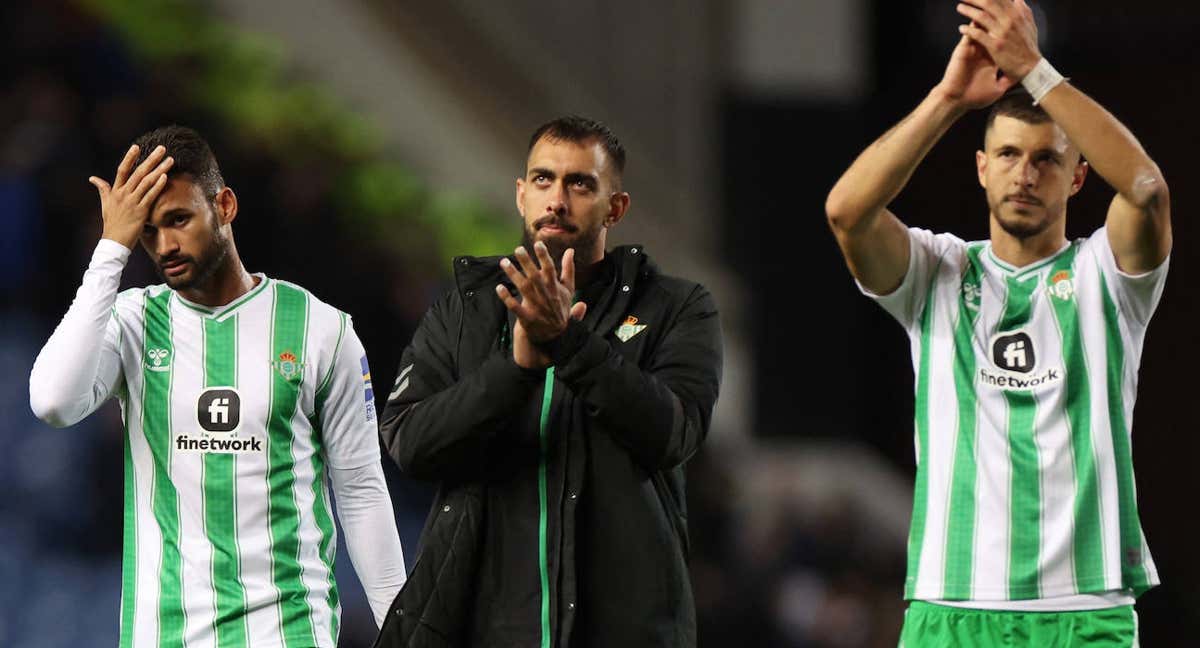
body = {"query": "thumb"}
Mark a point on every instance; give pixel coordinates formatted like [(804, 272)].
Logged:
[(100, 185), (578, 311)]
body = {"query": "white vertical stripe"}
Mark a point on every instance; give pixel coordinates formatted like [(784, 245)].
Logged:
[(942, 430), (253, 523), (1092, 331), (187, 475), (149, 538)]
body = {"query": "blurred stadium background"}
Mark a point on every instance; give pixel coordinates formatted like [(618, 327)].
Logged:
[(369, 141)]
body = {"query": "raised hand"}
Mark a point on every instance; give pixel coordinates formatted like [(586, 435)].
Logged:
[(1006, 29), (972, 78), (125, 204), (545, 306)]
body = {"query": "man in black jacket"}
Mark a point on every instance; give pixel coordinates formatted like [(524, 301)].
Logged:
[(556, 407)]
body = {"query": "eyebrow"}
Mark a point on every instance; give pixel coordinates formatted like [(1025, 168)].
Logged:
[(539, 171)]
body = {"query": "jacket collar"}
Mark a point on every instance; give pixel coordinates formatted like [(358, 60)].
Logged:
[(477, 273)]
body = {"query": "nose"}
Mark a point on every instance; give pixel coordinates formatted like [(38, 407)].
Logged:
[(1027, 174), (558, 200), (165, 243)]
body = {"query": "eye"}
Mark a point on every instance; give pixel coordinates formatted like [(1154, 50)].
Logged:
[(147, 231), (180, 219), (541, 179)]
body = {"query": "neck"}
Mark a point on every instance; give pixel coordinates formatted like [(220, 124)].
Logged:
[(1020, 252), (227, 283), (586, 269)]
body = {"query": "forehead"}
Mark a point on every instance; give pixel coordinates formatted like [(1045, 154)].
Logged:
[(559, 155), (1009, 131), (180, 194)]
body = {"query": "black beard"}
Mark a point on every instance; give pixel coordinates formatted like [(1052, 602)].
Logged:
[(207, 263), (585, 240)]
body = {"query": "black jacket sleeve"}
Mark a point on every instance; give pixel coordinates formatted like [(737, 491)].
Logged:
[(437, 424), (660, 414)]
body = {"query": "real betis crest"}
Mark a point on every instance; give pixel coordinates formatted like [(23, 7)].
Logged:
[(1062, 285), (629, 328), (288, 366)]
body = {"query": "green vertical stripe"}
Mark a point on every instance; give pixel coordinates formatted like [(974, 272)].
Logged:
[(1133, 567), (129, 548), (220, 494), (1025, 521), (1088, 537), (916, 531), (1025, 490), (156, 426), (324, 518), (543, 562), (960, 525), (289, 325)]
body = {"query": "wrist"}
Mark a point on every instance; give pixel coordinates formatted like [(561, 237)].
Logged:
[(127, 241), (1040, 79), (947, 102)]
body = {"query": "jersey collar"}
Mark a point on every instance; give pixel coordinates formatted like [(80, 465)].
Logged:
[(221, 312)]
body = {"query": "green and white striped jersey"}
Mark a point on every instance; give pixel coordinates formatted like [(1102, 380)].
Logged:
[(231, 417), (1025, 385)]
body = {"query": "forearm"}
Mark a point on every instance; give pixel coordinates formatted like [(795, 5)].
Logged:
[(660, 413), (365, 511), (444, 434), (1108, 146), (880, 172), (74, 372)]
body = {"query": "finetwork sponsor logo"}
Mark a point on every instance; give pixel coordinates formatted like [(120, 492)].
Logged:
[(219, 414), (229, 445), (1006, 380)]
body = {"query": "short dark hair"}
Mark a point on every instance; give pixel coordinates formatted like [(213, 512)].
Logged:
[(573, 128), (1018, 104), (192, 156)]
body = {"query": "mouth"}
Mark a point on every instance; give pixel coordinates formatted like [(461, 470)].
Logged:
[(553, 226), (175, 267), (1022, 200)]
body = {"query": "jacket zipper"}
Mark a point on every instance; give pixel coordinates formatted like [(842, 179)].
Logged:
[(543, 565)]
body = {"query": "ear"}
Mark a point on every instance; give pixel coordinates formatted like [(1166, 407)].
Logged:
[(227, 205), (1081, 171), (981, 168), (618, 205), (521, 196)]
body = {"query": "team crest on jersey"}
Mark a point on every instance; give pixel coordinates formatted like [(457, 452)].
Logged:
[(972, 294), (158, 359), (288, 366), (1062, 285), (629, 328)]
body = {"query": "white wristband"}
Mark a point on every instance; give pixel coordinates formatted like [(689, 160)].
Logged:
[(1041, 79)]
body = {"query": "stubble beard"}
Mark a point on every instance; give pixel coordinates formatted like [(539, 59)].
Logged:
[(206, 264)]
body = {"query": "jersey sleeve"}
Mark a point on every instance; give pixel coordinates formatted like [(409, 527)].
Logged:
[(80, 365), (346, 407), (1136, 295), (926, 253)]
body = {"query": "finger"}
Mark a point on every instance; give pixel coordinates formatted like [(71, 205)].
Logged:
[(125, 165), (568, 269), (150, 162), (510, 302), (978, 35), (528, 267), (152, 194), (151, 178), (578, 311), (986, 6), (514, 275), (100, 185), (544, 261), (979, 16)]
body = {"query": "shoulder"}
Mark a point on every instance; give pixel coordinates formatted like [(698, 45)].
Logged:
[(326, 323)]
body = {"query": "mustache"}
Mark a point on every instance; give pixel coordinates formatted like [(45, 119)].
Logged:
[(555, 221), (163, 262), (1023, 197)]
